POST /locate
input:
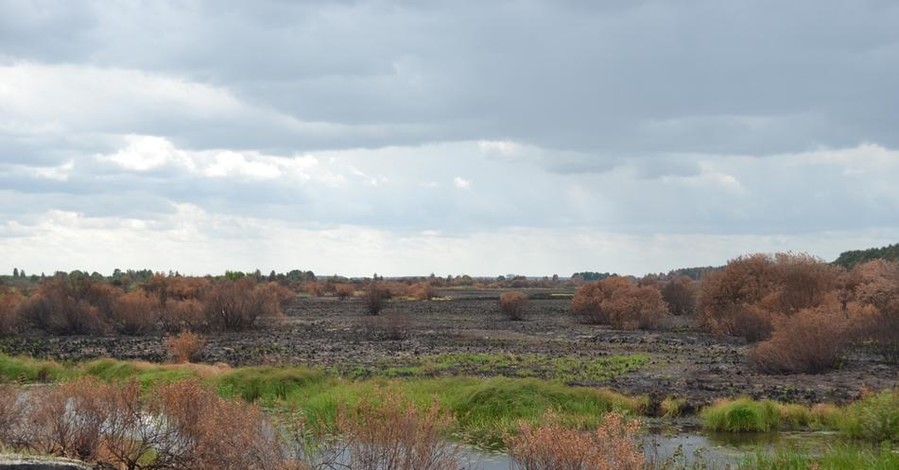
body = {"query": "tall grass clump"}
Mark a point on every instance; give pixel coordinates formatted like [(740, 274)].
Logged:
[(551, 445), (873, 418), (741, 415), (840, 457), (29, 370), (268, 384)]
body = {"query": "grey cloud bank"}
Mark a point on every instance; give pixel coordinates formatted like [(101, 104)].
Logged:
[(415, 137)]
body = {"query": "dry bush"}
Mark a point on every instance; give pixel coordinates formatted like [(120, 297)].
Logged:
[(636, 308), (237, 305), (552, 446), (513, 305), (64, 420), (186, 347), (423, 291), (680, 295), (344, 290), (135, 313), (390, 432), (314, 288), (10, 301), (810, 341), (63, 305), (11, 410), (390, 326), (620, 303), (375, 296), (183, 315), (875, 286), (745, 297)]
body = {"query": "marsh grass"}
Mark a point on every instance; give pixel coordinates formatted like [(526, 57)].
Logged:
[(840, 457), (741, 415), (873, 418)]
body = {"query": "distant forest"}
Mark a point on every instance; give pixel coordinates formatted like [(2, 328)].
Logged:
[(849, 259)]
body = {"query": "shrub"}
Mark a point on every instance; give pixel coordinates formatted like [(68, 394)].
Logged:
[(617, 301), (740, 415), (375, 297), (343, 290), (513, 305), (680, 295), (423, 291), (236, 305), (186, 347), (390, 432), (552, 446), (390, 326), (810, 341), (183, 315), (58, 307), (10, 301), (135, 313), (745, 297)]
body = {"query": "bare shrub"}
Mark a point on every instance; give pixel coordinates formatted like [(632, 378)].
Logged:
[(11, 411), (183, 315), (62, 305), (513, 305), (185, 347), (552, 446), (680, 295), (237, 305), (390, 326), (375, 297), (135, 313), (810, 341), (10, 301), (390, 432)]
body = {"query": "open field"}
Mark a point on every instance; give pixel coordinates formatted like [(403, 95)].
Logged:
[(464, 334)]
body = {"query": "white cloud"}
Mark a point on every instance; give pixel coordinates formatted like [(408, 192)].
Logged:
[(461, 183)]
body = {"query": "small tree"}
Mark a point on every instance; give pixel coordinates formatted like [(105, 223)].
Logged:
[(513, 305)]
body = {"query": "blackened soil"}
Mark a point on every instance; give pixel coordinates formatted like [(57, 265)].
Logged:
[(336, 334)]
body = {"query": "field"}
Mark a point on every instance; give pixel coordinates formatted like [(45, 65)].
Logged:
[(463, 333)]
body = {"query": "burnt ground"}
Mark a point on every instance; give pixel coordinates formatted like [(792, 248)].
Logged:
[(337, 335)]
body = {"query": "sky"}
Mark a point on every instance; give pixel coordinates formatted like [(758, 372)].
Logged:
[(405, 137)]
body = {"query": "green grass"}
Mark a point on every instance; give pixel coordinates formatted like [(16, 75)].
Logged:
[(741, 415), (567, 369), (28, 370), (840, 457), (874, 418)]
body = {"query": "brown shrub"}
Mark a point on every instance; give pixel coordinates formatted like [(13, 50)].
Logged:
[(680, 295), (743, 298), (135, 313), (186, 347), (11, 410), (344, 290), (390, 432), (423, 291), (810, 341), (183, 315), (237, 305), (62, 305), (513, 305), (10, 301), (620, 303), (552, 446), (375, 297)]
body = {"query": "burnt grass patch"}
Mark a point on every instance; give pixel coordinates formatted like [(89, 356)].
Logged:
[(465, 334)]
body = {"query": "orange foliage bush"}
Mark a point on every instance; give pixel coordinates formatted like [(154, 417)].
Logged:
[(344, 291), (620, 303), (812, 340), (186, 347), (513, 305), (680, 294), (423, 290), (552, 446), (390, 432), (751, 292), (135, 313), (183, 315)]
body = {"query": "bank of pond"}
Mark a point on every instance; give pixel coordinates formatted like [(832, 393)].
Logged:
[(316, 418)]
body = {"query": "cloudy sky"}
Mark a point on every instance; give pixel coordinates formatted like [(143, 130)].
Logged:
[(411, 137)]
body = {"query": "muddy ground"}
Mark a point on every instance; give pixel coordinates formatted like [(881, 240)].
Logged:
[(336, 334)]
